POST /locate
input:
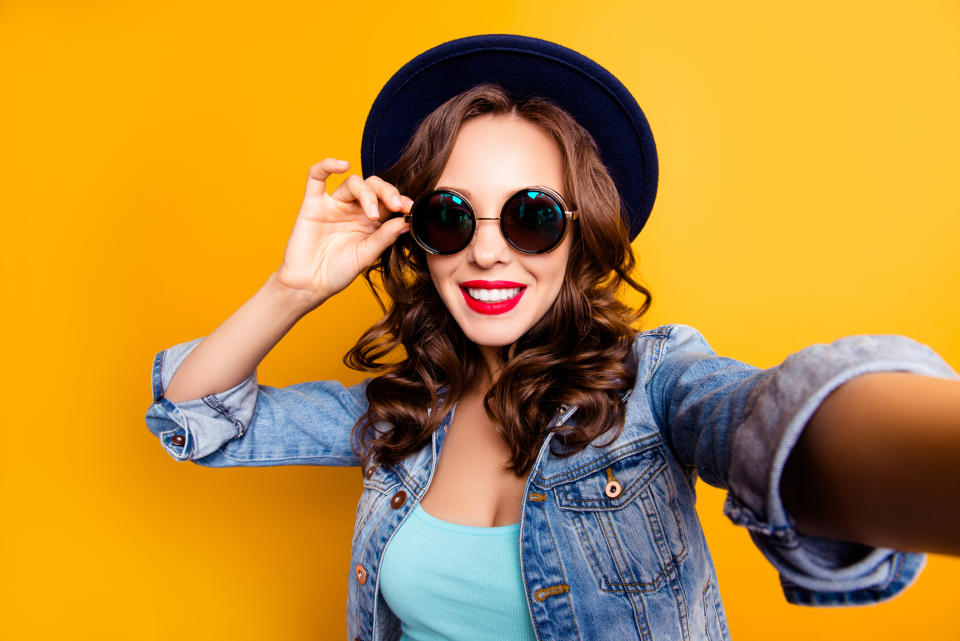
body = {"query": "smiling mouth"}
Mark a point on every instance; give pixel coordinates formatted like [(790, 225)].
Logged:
[(492, 295)]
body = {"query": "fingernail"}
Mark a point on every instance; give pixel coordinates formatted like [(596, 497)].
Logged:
[(373, 211), (395, 201)]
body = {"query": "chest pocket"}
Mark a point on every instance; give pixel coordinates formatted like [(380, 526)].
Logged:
[(623, 508)]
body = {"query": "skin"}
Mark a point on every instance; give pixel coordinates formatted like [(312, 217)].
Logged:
[(492, 158), (878, 463)]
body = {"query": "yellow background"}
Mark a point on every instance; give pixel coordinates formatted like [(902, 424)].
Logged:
[(152, 161)]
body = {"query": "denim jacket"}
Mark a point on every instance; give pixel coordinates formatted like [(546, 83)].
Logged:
[(610, 543)]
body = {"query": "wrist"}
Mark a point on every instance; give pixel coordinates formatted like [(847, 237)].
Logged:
[(291, 298)]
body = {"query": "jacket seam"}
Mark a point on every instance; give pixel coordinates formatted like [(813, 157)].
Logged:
[(637, 445), (216, 404), (658, 346)]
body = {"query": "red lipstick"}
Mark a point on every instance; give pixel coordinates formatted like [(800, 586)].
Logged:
[(489, 308)]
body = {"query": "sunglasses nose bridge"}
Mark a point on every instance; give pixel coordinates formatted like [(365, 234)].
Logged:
[(488, 246), (532, 221)]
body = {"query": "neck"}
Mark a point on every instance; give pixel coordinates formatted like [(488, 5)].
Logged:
[(490, 370)]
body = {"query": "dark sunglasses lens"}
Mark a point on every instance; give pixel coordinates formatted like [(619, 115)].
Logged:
[(443, 222), (533, 221)]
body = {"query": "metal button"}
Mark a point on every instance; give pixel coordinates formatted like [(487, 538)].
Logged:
[(361, 575), (369, 471), (398, 499), (613, 489), (177, 439)]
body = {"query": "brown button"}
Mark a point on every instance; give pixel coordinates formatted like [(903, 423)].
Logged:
[(398, 499), (177, 439), (613, 489), (369, 471), (361, 575)]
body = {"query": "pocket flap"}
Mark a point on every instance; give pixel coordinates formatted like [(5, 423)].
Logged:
[(630, 470)]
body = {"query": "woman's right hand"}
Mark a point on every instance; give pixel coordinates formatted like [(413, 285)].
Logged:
[(338, 235)]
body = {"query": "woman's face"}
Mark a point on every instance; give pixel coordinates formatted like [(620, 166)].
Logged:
[(493, 157)]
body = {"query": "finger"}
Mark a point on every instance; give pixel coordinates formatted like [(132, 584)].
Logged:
[(355, 188), (385, 235), (318, 174), (389, 194)]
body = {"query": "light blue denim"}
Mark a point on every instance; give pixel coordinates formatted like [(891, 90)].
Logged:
[(631, 566)]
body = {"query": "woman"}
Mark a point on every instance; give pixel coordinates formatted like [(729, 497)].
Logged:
[(525, 408)]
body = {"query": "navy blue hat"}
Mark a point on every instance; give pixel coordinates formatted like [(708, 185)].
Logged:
[(523, 66)]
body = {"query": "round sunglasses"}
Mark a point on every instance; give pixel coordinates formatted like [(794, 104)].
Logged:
[(532, 221)]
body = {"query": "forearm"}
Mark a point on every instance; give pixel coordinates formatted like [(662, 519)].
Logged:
[(233, 350), (879, 463)]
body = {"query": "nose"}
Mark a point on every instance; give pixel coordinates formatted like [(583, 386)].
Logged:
[(488, 246)]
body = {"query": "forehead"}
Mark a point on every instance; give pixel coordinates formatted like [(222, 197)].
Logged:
[(496, 155)]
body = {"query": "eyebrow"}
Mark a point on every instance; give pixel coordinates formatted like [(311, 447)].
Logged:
[(466, 192), (462, 190)]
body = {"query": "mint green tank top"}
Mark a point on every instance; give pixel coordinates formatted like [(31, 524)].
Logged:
[(447, 581)]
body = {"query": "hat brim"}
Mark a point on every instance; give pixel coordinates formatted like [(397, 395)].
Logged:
[(523, 66)]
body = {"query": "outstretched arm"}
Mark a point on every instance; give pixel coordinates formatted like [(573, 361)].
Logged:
[(884, 402), (879, 463)]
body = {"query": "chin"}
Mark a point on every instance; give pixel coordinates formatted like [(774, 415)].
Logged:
[(491, 337)]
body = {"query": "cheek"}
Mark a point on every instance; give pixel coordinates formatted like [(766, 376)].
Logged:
[(558, 268), (441, 271), (555, 288)]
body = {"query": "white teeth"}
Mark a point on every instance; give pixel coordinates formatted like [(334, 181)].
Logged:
[(493, 295)]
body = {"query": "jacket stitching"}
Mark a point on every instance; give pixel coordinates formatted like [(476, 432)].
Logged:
[(216, 404), (655, 508), (681, 530), (666, 553), (613, 504), (644, 586), (579, 522), (407, 478), (370, 511), (595, 567), (656, 526), (160, 360), (666, 564), (620, 563), (553, 542), (658, 346), (639, 615), (707, 619), (625, 450), (543, 593), (684, 611)]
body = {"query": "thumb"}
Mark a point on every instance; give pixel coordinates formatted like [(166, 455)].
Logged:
[(385, 235)]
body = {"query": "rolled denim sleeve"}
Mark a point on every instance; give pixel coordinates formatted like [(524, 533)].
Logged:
[(737, 424), (255, 425)]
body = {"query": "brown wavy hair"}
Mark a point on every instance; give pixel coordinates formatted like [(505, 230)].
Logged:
[(575, 355)]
